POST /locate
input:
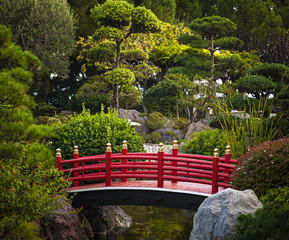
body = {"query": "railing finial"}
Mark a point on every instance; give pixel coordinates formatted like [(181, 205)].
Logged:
[(108, 147), (175, 144), (161, 147), (228, 150), (124, 144), (58, 152), (216, 153), (75, 150)]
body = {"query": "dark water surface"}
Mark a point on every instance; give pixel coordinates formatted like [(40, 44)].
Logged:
[(157, 223)]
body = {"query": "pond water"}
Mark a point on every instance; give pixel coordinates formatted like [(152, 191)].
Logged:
[(157, 223)]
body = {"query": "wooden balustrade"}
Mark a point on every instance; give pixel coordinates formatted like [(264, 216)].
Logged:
[(160, 166)]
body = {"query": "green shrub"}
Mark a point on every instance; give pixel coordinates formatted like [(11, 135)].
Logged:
[(265, 223), (277, 197), (204, 142), (263, 167), (156, 120), (27, 192), (155, 136), (181, 124), (91, 133), (46, 120)]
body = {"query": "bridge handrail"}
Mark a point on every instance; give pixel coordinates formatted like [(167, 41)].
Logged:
[(160, 166)]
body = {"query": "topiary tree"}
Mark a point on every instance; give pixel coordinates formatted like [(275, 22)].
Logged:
[(263, 167), (258, 86), (209, 28), (91, 133), (117, 20)]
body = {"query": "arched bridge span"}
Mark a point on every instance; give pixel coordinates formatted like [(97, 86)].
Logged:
[(156, 179)]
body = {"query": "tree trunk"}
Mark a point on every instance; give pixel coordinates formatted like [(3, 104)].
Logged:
[(45, 86), (212, 51)]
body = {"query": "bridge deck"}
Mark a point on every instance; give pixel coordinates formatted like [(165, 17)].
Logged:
[(180, 186)]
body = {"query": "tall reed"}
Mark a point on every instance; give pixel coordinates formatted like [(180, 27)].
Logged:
[(251, 130)]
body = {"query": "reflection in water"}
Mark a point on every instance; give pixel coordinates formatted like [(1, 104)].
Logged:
[(156, 223)]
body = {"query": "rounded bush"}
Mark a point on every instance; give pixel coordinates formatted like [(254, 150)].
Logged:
[(91, 133), (277, 197), (263, 167), (265, 223), (204, 142), (156, 120)]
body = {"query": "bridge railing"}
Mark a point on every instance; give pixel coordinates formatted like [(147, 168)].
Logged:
[(174, 167)]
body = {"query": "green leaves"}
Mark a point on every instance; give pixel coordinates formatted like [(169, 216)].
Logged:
[(91, 133), (120, 76)]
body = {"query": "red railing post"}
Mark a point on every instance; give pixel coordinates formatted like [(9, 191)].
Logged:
[(75, 165), (124, 161), (215, 179), (175, 152), (160, 165), (227, 161), (58, 159), (108, 165)]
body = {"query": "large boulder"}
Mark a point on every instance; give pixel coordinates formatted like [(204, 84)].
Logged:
[(134, 116), (168, 135), (197, 127), (217, 215), (106, 220), (65, 224)]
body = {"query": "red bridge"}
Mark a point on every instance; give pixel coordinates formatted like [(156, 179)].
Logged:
[(161, 179)]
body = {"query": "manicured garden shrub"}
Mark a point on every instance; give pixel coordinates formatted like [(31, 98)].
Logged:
[(156, 120), (265, 223), (91, 133), (181, 124), (277, 197), (204, 142), (263, 167)]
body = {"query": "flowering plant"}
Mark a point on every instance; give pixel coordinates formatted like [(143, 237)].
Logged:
[(263, 167)]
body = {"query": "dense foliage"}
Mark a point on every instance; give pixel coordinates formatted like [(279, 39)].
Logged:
[(91, 133), (265, 223), (204, 142), (46, 28), (263, 167), (29, 182)]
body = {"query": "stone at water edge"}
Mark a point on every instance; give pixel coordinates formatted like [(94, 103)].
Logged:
[(106, 220), (217, 215)]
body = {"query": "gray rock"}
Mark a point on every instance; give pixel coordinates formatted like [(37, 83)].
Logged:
[(197, 127), (65, 224), (168, 135), (133, 115), (217, 215), (106, 220)]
